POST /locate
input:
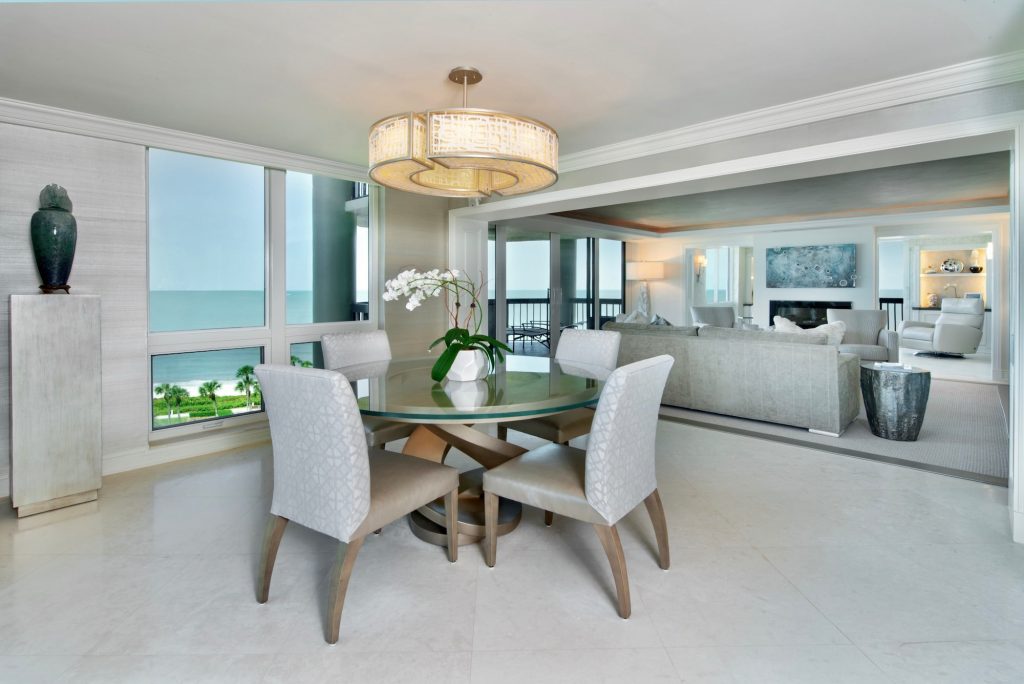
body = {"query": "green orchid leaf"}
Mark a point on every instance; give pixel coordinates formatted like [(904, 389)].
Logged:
[(444, 363)]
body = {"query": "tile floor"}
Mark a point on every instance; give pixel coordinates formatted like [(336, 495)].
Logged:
[(788, 565), (973, 367)]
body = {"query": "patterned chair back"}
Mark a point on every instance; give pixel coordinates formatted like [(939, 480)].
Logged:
[(321, 467), (620, 452), (591, 347), (348, 349)]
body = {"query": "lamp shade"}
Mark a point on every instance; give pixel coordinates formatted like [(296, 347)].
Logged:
[(645, 270)]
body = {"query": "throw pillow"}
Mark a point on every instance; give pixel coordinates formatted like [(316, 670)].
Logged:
[(635, 317), (786, 325), (833, 331), (658, 320)]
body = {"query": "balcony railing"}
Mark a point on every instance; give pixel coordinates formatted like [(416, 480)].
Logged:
[(524, 311), (893, 306)]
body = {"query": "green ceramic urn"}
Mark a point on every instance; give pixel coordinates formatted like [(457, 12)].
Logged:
[(54, 235)]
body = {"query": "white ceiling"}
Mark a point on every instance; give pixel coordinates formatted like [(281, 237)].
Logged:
[(310, 78)]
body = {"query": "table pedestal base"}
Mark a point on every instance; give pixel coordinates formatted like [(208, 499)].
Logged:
[(432, 442)]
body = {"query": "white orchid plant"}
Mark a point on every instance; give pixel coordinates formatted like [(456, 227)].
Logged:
[(461, 300)]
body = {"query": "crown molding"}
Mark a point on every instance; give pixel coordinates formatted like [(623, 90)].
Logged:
[(951, 80), (92, 125)]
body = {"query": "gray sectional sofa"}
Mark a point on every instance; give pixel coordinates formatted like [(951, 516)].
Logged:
[(789, 378)]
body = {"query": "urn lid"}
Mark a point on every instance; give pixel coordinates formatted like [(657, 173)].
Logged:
[(54, 196)]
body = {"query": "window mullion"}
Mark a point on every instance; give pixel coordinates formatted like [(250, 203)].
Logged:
[(277, 298)]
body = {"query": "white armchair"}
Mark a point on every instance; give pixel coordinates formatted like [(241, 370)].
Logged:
[(718, 316), (866, 334), (955, 333)]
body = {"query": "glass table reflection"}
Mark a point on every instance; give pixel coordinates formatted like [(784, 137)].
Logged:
[(445, 412)]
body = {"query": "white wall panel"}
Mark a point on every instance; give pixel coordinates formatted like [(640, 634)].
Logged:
[(107, 184)]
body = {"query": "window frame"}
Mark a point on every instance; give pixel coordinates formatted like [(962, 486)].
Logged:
[(275, 336)]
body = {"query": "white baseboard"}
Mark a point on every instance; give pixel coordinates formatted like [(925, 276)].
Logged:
[(1017, 520), (184, 449), (169, 452)]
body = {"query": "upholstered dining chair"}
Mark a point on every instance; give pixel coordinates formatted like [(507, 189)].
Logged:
[(327, 479), (597, 348), (349, 349), (605, 482)]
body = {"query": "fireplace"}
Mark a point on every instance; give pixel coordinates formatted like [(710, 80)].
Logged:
[(804, 314)]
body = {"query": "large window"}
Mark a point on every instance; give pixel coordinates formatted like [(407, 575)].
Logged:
[(206, 385), (247, 265), (206, 243), (328, 250), (719, 273)]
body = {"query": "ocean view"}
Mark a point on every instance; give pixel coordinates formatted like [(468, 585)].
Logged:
[(172, 310)]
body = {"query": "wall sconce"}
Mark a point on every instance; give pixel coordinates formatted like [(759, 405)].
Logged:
[(699, 263), (644, 271)]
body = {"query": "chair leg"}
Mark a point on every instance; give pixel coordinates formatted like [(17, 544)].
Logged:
[(657, 513), (451, 507), (271, 542), (502, 432), (609, 537), (490, 528), (346, 559), (549, 518)]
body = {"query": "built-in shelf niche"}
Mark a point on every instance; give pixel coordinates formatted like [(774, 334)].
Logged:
[(952, 284)]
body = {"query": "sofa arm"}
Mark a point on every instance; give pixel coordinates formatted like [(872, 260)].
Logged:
[(956, 339), (890, 339)]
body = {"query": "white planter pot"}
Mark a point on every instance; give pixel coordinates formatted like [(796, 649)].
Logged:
[(469, 365)]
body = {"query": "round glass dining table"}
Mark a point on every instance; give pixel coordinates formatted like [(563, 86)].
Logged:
[(445, 413)]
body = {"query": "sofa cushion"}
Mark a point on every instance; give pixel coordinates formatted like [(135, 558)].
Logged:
[(761, 336)]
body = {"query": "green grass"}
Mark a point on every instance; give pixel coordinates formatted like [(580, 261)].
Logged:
[(196, 407)]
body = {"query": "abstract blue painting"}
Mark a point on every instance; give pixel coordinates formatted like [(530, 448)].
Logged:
[(812, 266)]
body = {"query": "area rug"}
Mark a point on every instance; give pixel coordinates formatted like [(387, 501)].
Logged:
[(963, 434)]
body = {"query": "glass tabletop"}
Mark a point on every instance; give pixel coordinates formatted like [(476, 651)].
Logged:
[(522, 386)]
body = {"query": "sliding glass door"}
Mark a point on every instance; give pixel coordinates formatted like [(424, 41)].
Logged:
[(545, 283)]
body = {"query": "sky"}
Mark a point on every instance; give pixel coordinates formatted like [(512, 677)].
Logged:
[(528, 266), (214, 240), (202, 240)]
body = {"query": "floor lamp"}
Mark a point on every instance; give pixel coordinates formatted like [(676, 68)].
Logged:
[(643, 271)]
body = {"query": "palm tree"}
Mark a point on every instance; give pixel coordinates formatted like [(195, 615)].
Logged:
[(296, 361), (174, 396), (164, 390), (209, 390), (245, 383), (257, 394)]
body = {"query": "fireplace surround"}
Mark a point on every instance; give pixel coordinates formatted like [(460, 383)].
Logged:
[(806, 314)]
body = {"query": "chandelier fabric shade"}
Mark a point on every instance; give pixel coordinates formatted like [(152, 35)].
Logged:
[(463, 152)]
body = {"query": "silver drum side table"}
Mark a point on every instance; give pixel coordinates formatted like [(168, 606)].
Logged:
[(895, 400)]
